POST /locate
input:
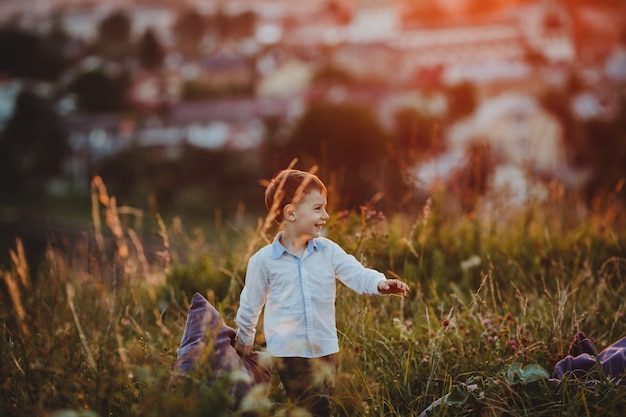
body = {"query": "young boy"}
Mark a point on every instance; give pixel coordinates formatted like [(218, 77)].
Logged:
[(294, 279)]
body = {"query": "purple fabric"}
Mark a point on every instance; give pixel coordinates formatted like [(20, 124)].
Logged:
[(583, 363), (207, 347), (613, 360)]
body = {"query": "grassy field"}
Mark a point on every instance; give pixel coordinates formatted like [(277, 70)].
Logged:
[(497, 297)]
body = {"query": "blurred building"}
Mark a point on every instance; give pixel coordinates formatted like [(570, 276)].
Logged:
[(375, 20)]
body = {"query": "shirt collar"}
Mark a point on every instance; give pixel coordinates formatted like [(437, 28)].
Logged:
[(278, 249)]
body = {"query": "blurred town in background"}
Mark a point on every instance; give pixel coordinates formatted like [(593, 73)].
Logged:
[(189, 104)]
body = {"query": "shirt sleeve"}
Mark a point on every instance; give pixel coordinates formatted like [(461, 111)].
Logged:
[(352, 273), (251, 302)]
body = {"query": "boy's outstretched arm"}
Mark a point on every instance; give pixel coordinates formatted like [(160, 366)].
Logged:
[(393, 286)]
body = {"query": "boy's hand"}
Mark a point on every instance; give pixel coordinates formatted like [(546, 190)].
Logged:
[(393, 286), (242, 350)]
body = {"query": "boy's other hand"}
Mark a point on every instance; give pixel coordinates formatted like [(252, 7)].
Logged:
[(242, 350), (393, 286)]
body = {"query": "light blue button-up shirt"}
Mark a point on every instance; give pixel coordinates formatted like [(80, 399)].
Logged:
[(299, 296)]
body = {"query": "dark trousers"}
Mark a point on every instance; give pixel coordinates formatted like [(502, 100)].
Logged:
[(308, 382)]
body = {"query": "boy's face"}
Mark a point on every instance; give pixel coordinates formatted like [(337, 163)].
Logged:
[(310, 215)]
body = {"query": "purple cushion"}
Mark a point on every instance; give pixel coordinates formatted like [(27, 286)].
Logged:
[(583, 363), (613, 360), (207, 348), (581, 344), (575, 367), (204, 323)]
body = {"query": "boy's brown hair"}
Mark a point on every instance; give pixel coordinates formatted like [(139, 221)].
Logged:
[(289, 187)]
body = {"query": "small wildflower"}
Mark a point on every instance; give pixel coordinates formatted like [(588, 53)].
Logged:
[(471, 262), (403, 330), (445, 323)]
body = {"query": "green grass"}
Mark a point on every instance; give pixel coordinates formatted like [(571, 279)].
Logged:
[(496, 298)]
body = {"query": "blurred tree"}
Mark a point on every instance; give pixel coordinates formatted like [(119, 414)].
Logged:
[(197, 181), (333, 74), (71, 48), (347, 143), (470, 181), (462, 100), (534, 57), (57, 35), (596, 144), (115, 28), (339, 11), (604, 151), (33, 147), (98, 91), (113, 40), (27, 55), (235, 26), (416, 136), (222, 23), (622, 36), (190, 29), (557, 103), (245, 24), (151, 53)]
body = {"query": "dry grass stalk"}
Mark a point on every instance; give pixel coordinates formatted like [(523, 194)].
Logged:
[(21, 265), (114, 223), (83, 339), (97, 189), (14, 292), (158, 315), (165, 253), (122, 351), (143, 261)]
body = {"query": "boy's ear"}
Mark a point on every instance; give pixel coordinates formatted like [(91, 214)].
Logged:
[(288, 212)]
